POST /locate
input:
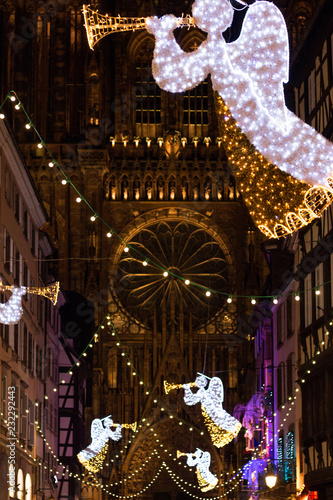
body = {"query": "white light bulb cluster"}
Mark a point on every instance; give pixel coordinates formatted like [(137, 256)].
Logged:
[(248, 74), (11, 312), (222, 427), (93, 456)]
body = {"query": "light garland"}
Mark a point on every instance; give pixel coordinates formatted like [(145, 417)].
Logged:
[(221, 426), (92, 458), (252, 88), (201, 460), (208, 292)]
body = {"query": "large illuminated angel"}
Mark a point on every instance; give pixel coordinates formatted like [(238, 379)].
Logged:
[(221, 426), (248, 75), (11, 311), (201, 460), (93, 457)]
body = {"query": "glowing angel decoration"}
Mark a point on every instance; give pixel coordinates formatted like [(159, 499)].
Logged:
[(221, 426), (201, 460), (11, 311), (92, 458), (280, 163)]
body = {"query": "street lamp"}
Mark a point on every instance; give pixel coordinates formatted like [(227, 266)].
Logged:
[(271, 477), (271, 480)]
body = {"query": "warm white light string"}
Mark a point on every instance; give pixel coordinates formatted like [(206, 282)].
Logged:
[(176, 478), (257, 453), (249, 80), (127, 247), (258, 450)]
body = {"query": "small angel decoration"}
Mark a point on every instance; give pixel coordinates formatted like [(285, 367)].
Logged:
[(221, 426), (201, 460), (11, 311), (92, 458), (248, 76)]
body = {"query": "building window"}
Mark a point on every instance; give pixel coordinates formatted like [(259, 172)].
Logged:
[(20, 485), (8, 187), (4, 396), (16, 338), (39, 362), (30, 353), (46, 412), (290, 370), (280, 388), (290, 456), (75, 31), (28, 486), (31, 436), (147, 95), (195, 114), (93, 99), (25, 345), (8, 248), (33, 240), (5, 333), (279, 337), (17, 265), (280, 455), (24, 414), (17, 204), (25, 277)]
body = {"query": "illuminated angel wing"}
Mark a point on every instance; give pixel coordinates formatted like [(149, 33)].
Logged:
[(96, 428), (262, 52), (215, 390)]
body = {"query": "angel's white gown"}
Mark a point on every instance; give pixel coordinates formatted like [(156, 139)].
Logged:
[(201, 460), (222, 426), (93, 456)]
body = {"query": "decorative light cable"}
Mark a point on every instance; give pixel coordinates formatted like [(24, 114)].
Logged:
[(258, 452), (83, 474), (251, 84), (174, 478), (97, 484), (12, 96)]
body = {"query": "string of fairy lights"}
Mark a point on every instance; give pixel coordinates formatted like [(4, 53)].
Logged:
[(178, 480), (127, 247), (287, 407), (240, 470)]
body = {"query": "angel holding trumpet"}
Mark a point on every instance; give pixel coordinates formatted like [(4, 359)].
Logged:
[(201, 460), (248, 76), (221, 426), (282, 165), (93, 456)]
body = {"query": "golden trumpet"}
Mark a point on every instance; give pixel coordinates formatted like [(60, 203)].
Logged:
[(98, 26), (181, 454), (168, 386), (130, 426), (50, 292)]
